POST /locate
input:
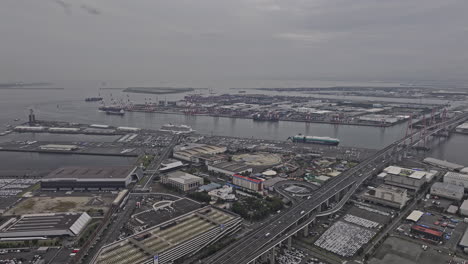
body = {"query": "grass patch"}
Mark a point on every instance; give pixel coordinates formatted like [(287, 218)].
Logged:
[(29, 204), (63, 206), (30, 189)]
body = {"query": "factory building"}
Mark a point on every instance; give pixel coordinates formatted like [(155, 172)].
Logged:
[(91, 178), (182, 180), (192, 151), (456, 178), (39, 226), (405, 178), (387, 195), (448, 190), (230, 168), (171, 240), (249, 183)]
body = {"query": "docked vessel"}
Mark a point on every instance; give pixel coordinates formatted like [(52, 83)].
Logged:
[(93, 99), (315, 140), (266, 117), (113, 108), (112, 112), (176, 129)]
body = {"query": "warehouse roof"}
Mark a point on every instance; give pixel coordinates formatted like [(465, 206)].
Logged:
[(52, 224), (183, 177), (232, 166), (415, 216), (443, 163), (113, 172), (454, 175), (464, 206), (464, 240), (448, 187)]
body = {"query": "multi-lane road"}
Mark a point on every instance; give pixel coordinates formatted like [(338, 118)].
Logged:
[(301, 214)]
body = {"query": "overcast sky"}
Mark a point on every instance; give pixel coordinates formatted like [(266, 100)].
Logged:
[(183, 40)]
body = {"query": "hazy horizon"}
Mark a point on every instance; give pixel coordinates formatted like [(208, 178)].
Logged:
[(217, 41)]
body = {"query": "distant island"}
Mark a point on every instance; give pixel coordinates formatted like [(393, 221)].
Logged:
[(28, 86), (158, 90)]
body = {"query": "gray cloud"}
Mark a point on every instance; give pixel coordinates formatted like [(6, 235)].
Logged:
[(64, 5), (91, 10), (185, 41)]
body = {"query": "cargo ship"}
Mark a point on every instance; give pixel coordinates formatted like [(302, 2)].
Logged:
[(315, 140), (176, 129), (113, 108)]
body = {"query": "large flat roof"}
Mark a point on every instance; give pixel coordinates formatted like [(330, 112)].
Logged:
[(183, 177), (51, 224), (164, 237), (234, 166), (114, 172)]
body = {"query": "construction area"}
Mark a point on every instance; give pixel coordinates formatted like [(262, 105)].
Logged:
[(51, 204)]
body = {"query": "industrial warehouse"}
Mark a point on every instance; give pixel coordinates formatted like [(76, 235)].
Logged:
[(40, 226), (171, 240), (91, 178)]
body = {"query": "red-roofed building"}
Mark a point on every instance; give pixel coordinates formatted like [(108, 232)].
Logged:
[(428, 232), (250, 183)]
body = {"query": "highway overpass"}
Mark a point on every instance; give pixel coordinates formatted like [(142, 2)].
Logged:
[(261, 243)]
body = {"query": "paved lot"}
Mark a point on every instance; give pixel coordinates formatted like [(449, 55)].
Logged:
[(398, 251)]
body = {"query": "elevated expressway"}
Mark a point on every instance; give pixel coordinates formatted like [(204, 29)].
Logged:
[(282, 227)]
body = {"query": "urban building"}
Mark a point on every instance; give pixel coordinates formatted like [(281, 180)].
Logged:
[(415, 216), (209, 187), (207, 159), (464, 208), (387, 195), (55, 147), (443, 164), (464, 241), (427, 232), (463, 128), (249, 183), (405, 178), (91, 178), (191, 152), (230, 168), (224, 194), (456, 179), (171, 240), (170, 165), (39, 226), (182, 180), (448, 190)]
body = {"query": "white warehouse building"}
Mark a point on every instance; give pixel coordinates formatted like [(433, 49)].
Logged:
[(456, 178), (448, 190)]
